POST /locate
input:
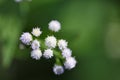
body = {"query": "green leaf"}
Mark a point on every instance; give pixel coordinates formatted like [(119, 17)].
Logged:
[(10, 29)]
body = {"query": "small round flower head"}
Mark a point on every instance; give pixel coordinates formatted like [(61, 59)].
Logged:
[(62, 44), (50, 42), (36, 54), (48, 53), (58, 70), (26, 38), (54, 25), (70, 63), (36, 32), (35, 44), (66, 53)]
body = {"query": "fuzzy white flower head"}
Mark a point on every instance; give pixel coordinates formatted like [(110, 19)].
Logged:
[(26, 38), (58, 70), (36, 32), (50, 42), (54, 25), (62, 44), (66, 53), (35, 44), (70, 63), (48, 53), (36, 54)]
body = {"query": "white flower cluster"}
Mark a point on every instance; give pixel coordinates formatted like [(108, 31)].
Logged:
[(54, 25), (48, 53), (36, 32), (36, 54), (27, 39), (49, 46), (57, 69), (50, 42)]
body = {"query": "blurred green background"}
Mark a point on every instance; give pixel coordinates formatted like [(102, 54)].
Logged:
[(92, 28)]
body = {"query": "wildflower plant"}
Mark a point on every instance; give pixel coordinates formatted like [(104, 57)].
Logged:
[(50, 47)]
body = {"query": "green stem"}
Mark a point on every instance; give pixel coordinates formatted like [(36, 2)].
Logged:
[(57, 54), (58, 62)]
